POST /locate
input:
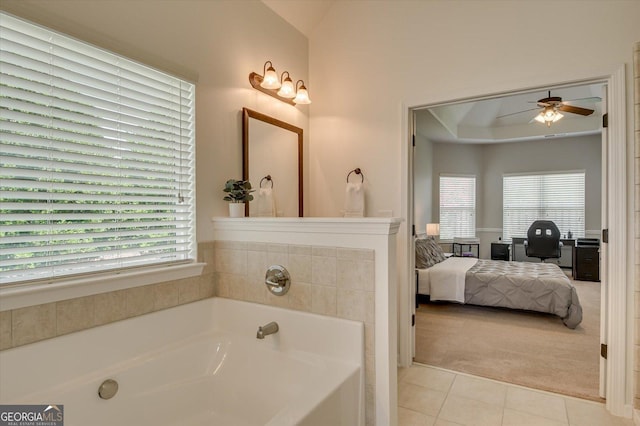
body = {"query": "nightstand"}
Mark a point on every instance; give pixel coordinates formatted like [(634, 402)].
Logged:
[(500, 251), (586, 260), (466, 247)]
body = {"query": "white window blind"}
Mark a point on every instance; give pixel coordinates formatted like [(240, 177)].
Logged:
[(457, 207), (558, 197), (97, 159)]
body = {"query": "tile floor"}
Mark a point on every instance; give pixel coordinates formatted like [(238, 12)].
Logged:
[(429, 396)]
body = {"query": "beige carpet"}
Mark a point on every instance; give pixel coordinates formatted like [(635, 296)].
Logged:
[(524, 348)]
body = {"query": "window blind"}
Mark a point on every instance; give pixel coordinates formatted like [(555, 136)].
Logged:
[(97, 159), (558, 197), (457, 207)]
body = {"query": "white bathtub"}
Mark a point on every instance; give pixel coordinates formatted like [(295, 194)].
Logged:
[(198, 364)]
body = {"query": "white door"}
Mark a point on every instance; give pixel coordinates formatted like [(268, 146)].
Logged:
[(604, 248), (411, 217)]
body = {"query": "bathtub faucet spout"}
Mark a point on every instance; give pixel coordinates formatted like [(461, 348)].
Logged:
[(268, 329)]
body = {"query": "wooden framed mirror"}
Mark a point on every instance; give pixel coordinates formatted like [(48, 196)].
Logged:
[(272, 158)]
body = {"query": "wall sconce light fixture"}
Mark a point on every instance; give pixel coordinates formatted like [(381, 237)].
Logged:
[(269, 83)]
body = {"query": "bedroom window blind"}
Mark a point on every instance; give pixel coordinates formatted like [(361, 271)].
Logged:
[(558, 197), (457, 207), (97, 159)]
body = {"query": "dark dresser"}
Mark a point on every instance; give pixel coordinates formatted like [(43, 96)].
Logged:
[(586, 262)]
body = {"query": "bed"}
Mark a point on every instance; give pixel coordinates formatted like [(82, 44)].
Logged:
[(540, 287)]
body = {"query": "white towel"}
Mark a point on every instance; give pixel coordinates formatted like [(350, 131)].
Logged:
[(265, 203), (354, 200)]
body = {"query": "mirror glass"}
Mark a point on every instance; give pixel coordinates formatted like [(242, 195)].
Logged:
[(272, 162)]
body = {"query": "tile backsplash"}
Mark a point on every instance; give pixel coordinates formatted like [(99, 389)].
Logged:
[(331, 281), (33, 323)]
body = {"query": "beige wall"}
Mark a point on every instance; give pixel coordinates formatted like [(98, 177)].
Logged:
[(216, 43), (369, 60)]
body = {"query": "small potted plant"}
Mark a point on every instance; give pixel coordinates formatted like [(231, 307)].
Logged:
[(238, 193)]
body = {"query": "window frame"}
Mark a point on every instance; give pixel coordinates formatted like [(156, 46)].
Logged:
[(472, 229), (19, 292), (542, 208)]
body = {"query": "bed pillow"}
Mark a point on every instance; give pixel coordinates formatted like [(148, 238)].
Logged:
[(428, 253)]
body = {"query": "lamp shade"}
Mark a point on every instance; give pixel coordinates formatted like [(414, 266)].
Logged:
[(287, 90), (270, 79), (433, 229), (302, 96)]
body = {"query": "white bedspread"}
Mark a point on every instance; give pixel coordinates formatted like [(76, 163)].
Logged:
[(447, 278)]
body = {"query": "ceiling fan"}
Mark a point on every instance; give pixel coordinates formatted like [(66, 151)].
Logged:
[(551, 107)]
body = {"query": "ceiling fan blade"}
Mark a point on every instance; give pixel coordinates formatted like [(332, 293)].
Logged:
[(575, 110), (519, 112), (591, 99)]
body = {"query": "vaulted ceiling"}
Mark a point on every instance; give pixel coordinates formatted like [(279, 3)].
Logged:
[(303, 15), (507, 118)]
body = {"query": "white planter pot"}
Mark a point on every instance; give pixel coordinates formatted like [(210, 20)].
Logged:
[(236, 209)]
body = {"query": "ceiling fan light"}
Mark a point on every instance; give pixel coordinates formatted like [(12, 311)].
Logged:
[(557, 116), (540, 118), (548, 115)]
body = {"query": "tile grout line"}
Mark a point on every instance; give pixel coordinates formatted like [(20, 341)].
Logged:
[(563, 398)]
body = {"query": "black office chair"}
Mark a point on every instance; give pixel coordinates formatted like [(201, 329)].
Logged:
[(543, 240)]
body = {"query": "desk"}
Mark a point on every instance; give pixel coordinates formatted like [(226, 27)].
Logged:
[(566, 260)]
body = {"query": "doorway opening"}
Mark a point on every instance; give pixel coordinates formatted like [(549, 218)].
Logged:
[(490, 138)]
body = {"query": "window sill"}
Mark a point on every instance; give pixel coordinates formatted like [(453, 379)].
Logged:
[(37, 294)]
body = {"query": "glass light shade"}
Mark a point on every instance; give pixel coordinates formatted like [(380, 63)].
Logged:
[(540, 118), (433, 229), (270, 79), (287, 90), (557, 117), (302, 96), (548, 115)]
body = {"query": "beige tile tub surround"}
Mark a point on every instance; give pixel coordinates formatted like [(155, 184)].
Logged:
[(636, 342), (33, 323), (332, 281)]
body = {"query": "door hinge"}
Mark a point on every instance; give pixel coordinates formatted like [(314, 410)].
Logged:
[(603, 350), (413, 230), (413, 320), (605, 121), (413, 140), (605, 236)]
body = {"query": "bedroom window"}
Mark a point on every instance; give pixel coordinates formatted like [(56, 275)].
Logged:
[(97, 159), (457, 207), (558, 197)]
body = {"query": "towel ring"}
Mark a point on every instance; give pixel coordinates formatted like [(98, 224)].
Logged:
[(268, 179), (358, 172)]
